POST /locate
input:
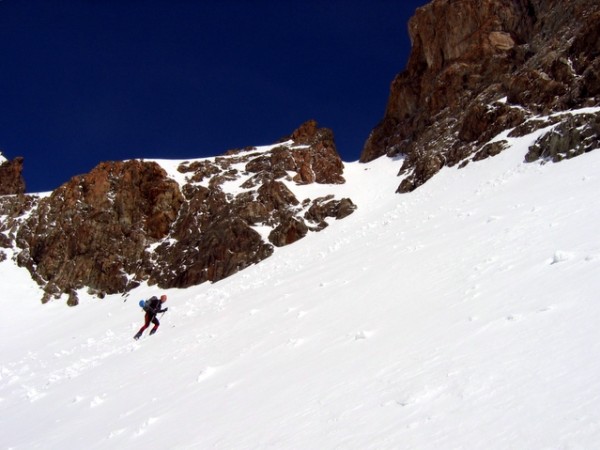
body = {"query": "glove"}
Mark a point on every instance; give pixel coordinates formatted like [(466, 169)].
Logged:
[(164, 310)]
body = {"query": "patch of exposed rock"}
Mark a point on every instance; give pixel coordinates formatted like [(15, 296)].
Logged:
[(481, 67), (11, 179), (128, 222)]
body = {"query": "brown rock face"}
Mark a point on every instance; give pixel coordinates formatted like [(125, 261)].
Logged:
[(128, 222), (322, 163), (11, 180), (314, 157), (480, 67), (93, 231)]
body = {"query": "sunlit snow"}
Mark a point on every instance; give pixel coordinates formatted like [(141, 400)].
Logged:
[(463, 315)]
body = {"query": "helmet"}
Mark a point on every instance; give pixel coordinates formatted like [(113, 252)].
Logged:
[(163, 298), (142, 303)]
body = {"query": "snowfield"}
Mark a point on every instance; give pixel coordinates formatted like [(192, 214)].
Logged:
[(464, 315)]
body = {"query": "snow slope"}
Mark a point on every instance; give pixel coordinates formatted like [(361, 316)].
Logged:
[(461, 316)]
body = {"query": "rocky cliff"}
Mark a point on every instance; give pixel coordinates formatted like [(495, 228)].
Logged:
[(482, 67), (144, 221)]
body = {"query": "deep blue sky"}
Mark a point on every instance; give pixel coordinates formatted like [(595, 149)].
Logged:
[(85, 81)]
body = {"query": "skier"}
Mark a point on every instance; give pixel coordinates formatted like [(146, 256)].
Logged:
[(152, 306)]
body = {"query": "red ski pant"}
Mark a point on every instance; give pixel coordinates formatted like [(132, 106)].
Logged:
[(147, 319)]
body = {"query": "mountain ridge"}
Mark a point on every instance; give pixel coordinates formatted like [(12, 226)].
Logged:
[(479, 74), (128, 222)]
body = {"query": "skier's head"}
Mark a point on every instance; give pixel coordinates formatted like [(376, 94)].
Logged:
[(142, 303), (163, 298)]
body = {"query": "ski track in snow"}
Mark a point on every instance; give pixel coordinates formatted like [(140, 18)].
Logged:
[(462, 315)]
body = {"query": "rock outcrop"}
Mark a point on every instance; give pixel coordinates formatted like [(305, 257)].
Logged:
[(11, 179), (129, 222), (93, 231), (481, 67)]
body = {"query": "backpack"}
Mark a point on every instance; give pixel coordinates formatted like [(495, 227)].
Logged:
[(152, 305)]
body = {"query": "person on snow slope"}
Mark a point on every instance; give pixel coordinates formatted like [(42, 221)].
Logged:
[(152, 307)]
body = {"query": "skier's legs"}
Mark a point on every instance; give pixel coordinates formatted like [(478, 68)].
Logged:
[(156, 324), (147, 319)]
